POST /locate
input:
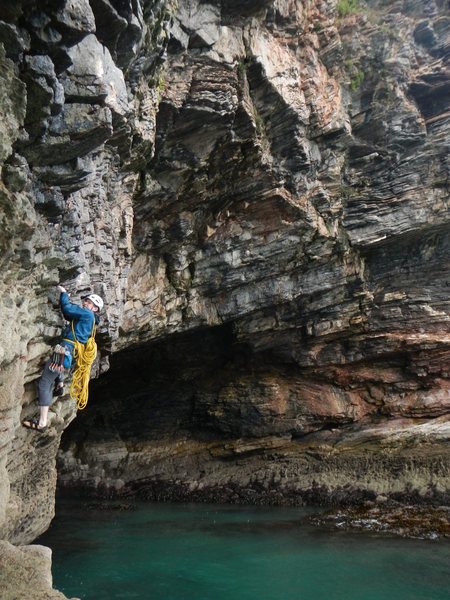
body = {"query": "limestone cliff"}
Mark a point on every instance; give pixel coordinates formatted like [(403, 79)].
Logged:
[(259, 190), (285, 335)]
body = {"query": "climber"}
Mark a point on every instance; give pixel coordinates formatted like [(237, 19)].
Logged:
[(82, 320)]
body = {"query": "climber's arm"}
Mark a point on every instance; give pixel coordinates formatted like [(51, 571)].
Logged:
[(69, 310)]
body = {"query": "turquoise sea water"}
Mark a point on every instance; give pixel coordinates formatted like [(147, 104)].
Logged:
[(208, 552)]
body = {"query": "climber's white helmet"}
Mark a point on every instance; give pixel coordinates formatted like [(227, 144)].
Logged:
[(96, 300)]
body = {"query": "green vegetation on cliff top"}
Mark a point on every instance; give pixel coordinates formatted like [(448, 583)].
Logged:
[(347, 7)]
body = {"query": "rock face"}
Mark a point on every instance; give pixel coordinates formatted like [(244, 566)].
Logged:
[(77, 111), (259, 190), (292, 231), (66, 196), (26, 573), (236, 431)]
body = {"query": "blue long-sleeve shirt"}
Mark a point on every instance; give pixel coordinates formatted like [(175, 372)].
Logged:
[(83, 321)]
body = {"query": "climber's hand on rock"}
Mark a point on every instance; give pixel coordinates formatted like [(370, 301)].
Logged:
[(61, 289)]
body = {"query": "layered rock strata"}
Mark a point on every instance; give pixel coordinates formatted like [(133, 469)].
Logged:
[(165, 427), (260, 193), (77, 111), (296, 208), (77, 118)]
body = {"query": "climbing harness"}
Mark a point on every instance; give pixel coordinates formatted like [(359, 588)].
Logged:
[(57, 359), (85, 355)]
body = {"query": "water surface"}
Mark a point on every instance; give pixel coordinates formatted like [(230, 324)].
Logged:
[(209, 552)]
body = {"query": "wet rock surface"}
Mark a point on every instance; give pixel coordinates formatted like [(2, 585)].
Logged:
[(423, 522)]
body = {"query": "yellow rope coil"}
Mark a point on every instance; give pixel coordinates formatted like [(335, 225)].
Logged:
[(85, 355)]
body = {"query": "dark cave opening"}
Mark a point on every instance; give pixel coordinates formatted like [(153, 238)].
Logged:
[(150, 391)]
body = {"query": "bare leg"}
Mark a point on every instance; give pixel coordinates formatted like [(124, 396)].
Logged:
[(43, 416)]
